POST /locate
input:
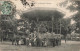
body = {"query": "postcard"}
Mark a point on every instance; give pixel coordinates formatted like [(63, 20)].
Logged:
[(39, 25)]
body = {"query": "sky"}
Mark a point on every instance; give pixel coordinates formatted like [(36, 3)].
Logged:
[(47, 3)]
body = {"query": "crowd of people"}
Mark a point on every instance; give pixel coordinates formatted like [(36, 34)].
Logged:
[(33, 40)]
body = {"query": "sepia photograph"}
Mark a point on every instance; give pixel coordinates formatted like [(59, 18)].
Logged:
[(39, 25)]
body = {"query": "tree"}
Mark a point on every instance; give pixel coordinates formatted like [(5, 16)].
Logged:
[(77, 18), (7, 22)]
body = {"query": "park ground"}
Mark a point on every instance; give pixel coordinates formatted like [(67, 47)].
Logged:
[(68, 46)]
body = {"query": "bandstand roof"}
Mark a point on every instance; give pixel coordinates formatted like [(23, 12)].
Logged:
[(43, 14)]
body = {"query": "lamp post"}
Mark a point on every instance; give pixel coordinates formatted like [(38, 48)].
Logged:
[(60, 26), (52, 23)]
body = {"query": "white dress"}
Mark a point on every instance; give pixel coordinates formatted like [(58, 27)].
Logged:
[(19, 42)]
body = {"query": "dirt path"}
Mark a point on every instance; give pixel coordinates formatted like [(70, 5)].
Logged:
[(69, 46)]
